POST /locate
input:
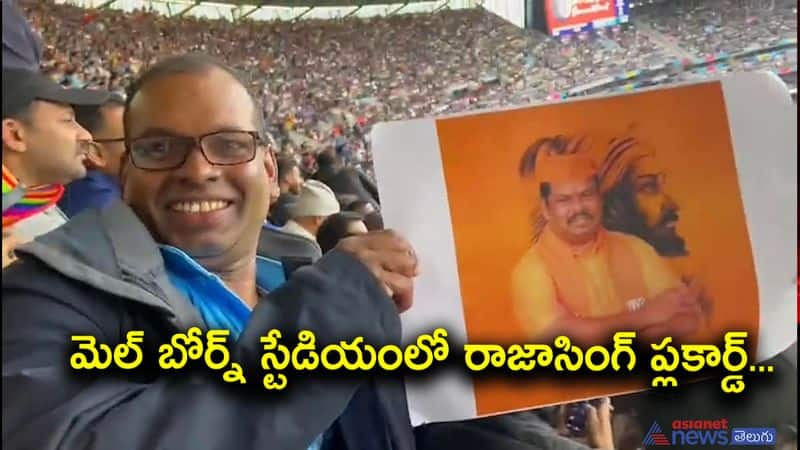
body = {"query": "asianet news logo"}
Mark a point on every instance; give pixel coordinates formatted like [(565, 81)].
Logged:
[(707, 432)]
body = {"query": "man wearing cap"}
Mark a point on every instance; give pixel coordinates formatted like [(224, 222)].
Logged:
[(42, 142), (100, 187), (314, 204), (582, 280)]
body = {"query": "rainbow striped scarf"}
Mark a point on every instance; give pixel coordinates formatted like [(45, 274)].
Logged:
[(32, 201)]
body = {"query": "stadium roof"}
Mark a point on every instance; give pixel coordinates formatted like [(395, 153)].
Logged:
[(318, 3), (278, 9)]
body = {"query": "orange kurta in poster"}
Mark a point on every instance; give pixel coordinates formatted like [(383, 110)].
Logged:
[(649, 180)]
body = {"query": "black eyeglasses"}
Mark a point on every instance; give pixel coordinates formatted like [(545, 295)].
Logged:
[(221, 148), (109, 141)]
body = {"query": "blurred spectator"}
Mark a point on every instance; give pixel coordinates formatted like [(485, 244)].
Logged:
[(337, 227), (274, 195), (100, 187), (314, 204), (289, 178), (308, 162), (361, 207), (344, 180), (544, 428), (373, 221), (290, 182), (346, 199), (787, 438), (770, 402)]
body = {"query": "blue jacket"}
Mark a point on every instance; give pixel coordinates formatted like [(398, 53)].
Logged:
[(102, 274), (95, 190)]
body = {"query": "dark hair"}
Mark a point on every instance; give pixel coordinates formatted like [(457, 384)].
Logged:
[(544, 190), (328, 158), (345, 200), (285, 166), (359, 206), (190, 64), (527, 163), (621, 213), (334, 229), (90, 118), (374, 221), (558, 145)]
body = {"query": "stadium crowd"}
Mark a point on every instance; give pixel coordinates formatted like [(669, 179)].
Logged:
[(321, 84), (723, 26), (324, 83)]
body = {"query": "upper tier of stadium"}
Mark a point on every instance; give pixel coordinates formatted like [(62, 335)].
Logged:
[(313, 77), (285, 10)]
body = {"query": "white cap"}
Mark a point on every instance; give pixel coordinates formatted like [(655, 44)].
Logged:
[(316, 199)]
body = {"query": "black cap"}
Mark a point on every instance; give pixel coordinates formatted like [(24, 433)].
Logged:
[(22, 48), (22, 87)]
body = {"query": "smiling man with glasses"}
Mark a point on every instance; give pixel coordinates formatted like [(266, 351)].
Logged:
[(100, 187), (180, 251)]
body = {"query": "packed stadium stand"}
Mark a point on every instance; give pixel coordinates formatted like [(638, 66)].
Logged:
[(723, 26), (324, 82)]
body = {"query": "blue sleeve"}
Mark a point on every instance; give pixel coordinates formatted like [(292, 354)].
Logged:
[(83, 194), (45, 406)]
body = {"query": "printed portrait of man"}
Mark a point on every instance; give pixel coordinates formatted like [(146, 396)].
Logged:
[(579, 278), (637, 202), (636, 197)]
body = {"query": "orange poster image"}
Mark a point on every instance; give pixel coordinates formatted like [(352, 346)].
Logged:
[(590, 217)]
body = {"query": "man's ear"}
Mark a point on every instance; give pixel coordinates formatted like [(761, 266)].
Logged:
[(275, 192), (271, 165), (13, 136), (545, 212), (96, 158)]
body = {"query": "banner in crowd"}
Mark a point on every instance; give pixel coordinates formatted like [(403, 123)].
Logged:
[(689, 187), (578, 15)]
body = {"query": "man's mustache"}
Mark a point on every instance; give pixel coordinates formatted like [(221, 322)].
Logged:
[(581, 215), (670, 215)]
